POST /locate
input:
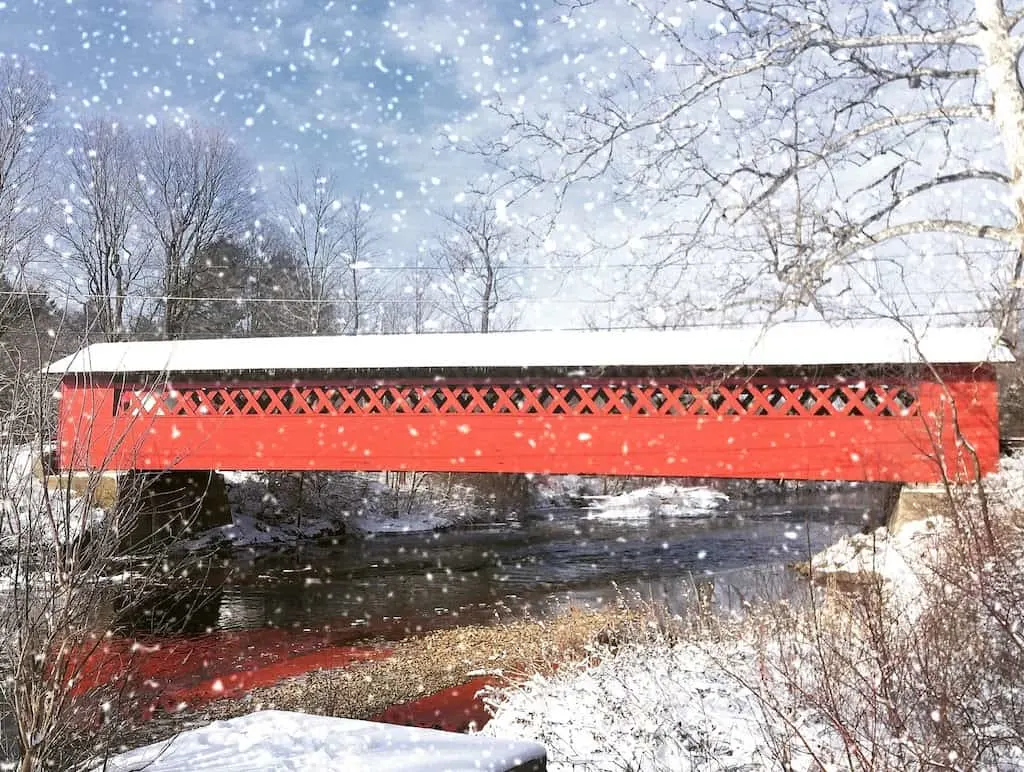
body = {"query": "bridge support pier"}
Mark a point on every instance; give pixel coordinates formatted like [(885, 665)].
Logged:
[(912, 503), (168, 505)]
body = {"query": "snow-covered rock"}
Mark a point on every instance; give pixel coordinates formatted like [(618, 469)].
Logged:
[(657, 501)]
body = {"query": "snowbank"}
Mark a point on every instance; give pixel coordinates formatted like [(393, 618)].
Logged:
[(657, 501), (278, 740), (898, 559), (652, 708), (904, 558)]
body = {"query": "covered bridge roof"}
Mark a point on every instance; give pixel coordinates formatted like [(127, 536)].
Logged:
[(783, 344), (791, 344)]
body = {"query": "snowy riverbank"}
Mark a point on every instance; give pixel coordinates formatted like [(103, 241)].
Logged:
[(289, 510), (847, 683)]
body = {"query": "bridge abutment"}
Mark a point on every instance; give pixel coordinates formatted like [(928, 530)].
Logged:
[(912, 503), (168, 505)]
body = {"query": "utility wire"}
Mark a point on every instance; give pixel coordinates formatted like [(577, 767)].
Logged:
[(242, 299)]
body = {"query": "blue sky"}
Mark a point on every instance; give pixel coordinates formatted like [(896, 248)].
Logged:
[(365, 88), (379, 93)]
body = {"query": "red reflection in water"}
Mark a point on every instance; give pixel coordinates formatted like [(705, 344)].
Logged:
[(171, 674), (455, 709), (174, 673)]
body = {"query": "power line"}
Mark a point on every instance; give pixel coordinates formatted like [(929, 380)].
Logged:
[(242, 299), (659, 264), (637, 328)]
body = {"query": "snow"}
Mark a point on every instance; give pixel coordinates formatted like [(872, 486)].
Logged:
[(651, 708), (747, 693), (807, 344), (898, 559), (278, 740), (27, 503), (657, 501)]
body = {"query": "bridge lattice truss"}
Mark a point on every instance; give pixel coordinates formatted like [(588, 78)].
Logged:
[(752, 397)]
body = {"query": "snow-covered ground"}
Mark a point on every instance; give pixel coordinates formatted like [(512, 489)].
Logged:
[(656, 708), (657, 501), (279, 740)]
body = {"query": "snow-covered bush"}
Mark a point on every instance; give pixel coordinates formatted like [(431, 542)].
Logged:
[(63, 696)]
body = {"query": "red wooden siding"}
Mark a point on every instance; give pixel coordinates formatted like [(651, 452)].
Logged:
[(832, 428)]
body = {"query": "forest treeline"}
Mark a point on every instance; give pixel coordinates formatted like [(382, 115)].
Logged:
[(114, 233)]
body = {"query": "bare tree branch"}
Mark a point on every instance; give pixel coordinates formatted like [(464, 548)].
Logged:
[(193, 190)]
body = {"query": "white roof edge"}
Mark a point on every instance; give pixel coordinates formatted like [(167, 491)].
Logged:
[(780, 345)]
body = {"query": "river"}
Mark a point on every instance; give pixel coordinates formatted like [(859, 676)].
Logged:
[(392, 585)]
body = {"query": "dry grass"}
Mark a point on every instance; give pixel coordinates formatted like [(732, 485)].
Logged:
[(428, 663)]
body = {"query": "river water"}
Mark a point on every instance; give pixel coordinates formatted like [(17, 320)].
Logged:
[(393, 585)]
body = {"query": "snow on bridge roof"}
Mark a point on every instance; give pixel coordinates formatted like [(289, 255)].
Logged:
[(783, 344)]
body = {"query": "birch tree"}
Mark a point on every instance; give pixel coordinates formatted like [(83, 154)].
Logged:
[(796, 155), (192, 191)]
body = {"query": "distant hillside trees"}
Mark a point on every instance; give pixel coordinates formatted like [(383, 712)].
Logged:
[(163, 231)]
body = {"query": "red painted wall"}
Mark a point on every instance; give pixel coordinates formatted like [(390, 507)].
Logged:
[(774, 434)]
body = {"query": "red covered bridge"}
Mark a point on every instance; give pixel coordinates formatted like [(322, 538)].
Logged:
[(799, 401)]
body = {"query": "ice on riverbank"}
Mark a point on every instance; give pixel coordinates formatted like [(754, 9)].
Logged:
[(657, 501)]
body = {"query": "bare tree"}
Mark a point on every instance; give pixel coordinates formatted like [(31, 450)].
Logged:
[(98, 233), (71, 689), (193, 191), (317, 228), (782, 152), (411, 306), (478, 258), (362, 244), (419, 292), (24, 104)]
